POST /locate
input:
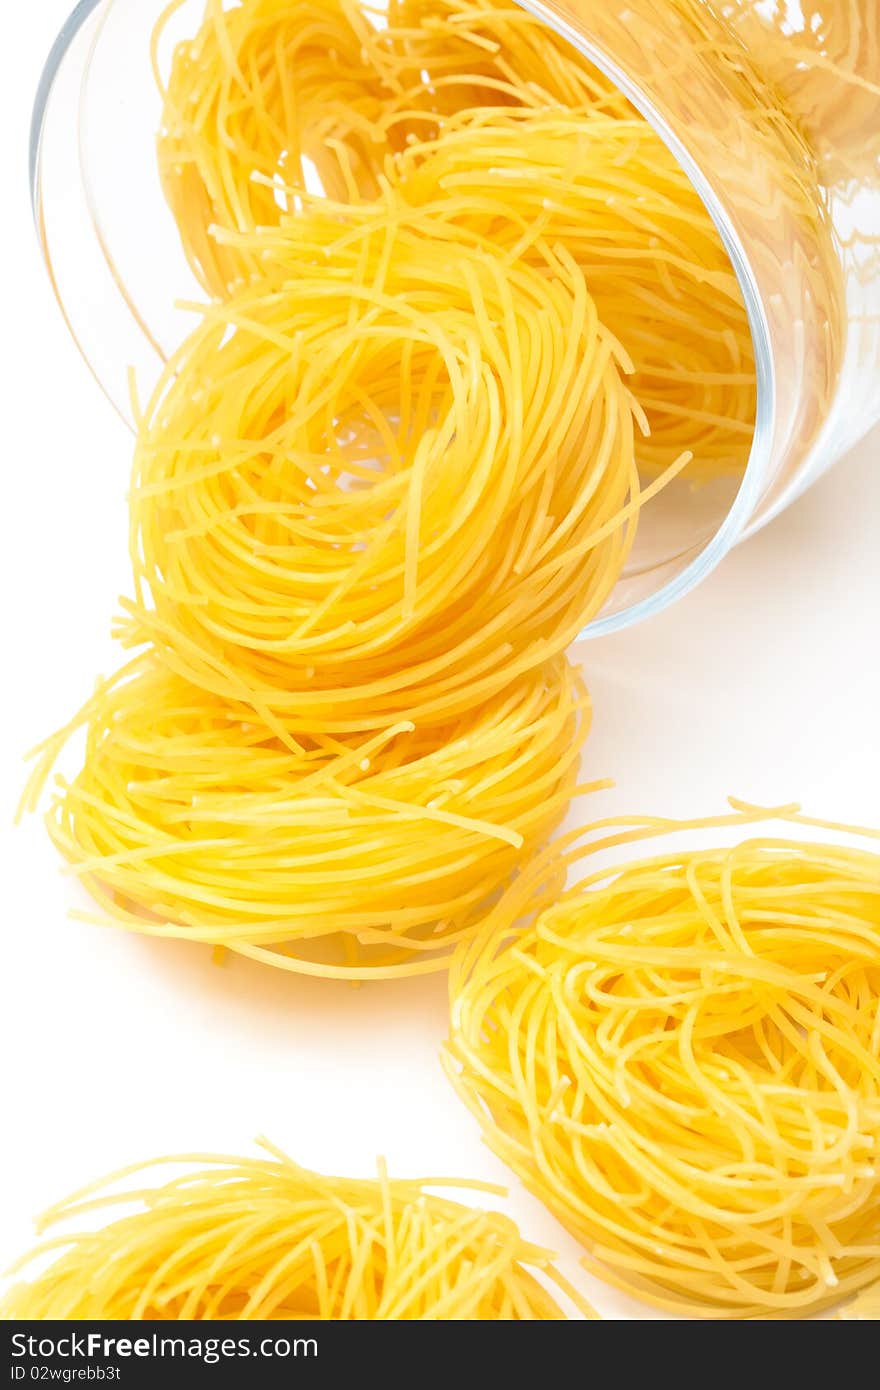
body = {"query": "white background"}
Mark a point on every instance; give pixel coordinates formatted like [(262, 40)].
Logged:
[(765, 683)]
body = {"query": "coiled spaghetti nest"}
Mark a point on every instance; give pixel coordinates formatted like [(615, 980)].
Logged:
[(257, 1239), (681, 1057), (356, 857), (386, 483)]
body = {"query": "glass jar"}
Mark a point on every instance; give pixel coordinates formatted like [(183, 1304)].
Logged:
[(772, 110)]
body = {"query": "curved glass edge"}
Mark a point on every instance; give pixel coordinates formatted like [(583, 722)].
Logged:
[(58, 53), (69, 29), (744, 504), (746, 500)]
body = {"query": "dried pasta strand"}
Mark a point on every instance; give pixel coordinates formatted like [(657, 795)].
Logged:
[(249, 1239), (357, 857), (681, 1057)]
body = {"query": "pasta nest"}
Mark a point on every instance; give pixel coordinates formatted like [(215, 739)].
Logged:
[(356, 857), (385, 480), (256, 1239), (681, 1057)]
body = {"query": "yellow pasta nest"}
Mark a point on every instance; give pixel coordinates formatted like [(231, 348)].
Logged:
[(272, 96), (681, 1058), (260, 89), (360, 857), (384, 482), (257, 1239), (607, 189)]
